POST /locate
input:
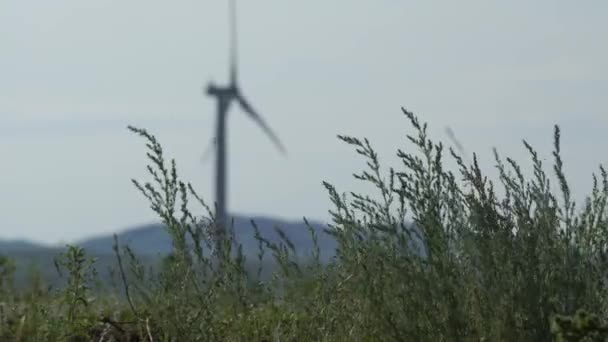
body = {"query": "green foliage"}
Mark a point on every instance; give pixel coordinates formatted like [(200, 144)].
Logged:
[(434, 255), (583, 326), (7, 277), (76, 296)]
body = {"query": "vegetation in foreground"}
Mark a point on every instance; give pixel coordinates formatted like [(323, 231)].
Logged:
[(524, 265)]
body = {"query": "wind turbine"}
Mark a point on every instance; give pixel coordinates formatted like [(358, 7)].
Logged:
[(225, 95)]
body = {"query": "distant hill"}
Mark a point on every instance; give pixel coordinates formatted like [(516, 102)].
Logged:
[(12, 246), (153, 239)]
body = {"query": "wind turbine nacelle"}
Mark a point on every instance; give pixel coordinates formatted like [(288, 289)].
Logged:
[(225, 92)]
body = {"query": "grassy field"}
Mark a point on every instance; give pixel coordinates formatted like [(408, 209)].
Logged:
[(525, 266)]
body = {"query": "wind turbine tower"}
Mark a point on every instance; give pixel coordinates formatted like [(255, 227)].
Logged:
[(225, 95)]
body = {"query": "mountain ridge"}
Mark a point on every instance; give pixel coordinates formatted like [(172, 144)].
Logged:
[(152, 239)]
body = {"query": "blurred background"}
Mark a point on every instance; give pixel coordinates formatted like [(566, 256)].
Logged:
[(74, 74)]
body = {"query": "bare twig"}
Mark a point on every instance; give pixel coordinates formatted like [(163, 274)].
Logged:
[(148, 330), (123, 276)]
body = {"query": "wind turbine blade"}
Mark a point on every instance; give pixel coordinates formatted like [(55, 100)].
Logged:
[(210, 149), (233, 44), (452, 136), (258, 119), (456, 142)]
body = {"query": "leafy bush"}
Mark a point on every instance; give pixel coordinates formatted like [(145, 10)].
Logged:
[(436, 255)]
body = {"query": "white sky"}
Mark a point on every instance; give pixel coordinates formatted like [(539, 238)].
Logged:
[(74, 73)]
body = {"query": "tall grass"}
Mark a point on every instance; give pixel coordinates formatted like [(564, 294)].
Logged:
[(436, 255)]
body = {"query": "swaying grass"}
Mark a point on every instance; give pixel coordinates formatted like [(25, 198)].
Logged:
[(466, 264)]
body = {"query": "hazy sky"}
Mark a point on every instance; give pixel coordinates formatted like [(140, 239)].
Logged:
[(74, 74)]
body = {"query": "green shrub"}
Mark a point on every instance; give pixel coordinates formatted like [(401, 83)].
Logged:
[(434, 255)]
